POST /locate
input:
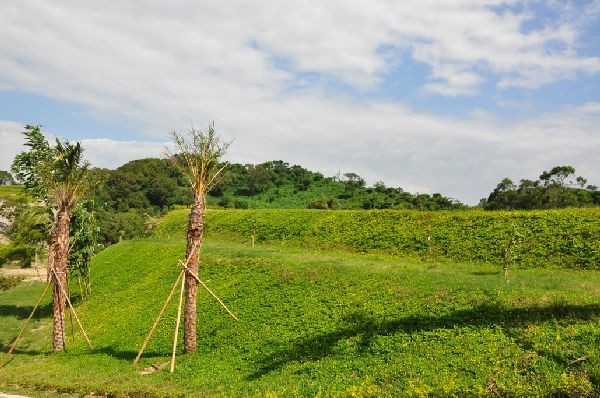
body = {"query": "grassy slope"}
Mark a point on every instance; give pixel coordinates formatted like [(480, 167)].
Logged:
[(329, 322), (565, 238)]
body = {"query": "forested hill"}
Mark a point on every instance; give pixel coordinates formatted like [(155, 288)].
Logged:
[(154, 184)]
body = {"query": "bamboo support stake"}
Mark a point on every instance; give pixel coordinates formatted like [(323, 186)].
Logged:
[(37, 270), (177, 325), (72, 324), (162, 310), (160, 314), (80, 289), (71, 313), (71, 306), (213, 294), (14, 344)]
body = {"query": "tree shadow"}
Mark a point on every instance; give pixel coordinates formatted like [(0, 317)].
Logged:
[(486, 273), (128, 355), (366, 328), (4, 348), (23, 312)]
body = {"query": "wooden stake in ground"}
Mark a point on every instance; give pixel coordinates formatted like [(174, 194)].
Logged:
[(14, 344), (160, 314), (177, 325), (71, 313), (184, 271), (162, 310)]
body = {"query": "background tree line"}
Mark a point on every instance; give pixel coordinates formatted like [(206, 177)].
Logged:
[(555, 189)]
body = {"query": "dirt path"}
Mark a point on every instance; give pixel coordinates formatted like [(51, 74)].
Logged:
[(31, 274)]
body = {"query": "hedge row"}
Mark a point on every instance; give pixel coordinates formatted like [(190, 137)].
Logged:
[(552, 238)]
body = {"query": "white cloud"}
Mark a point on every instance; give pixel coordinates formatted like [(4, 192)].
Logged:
[(11, 142), (101, 152), (108, 153), (61, 46), (166, 65)]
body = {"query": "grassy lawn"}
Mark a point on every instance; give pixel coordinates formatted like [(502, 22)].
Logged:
[(319, 323)]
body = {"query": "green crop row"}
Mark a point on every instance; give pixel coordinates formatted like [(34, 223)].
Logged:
[(567, 238)]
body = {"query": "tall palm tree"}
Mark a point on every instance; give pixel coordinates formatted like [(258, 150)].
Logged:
[(59, 176), (198, 158)]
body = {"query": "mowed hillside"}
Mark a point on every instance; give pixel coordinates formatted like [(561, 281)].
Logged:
[(324, 321)]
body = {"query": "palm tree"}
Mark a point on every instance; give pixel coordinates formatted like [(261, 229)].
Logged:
[(60, 177), (199, 160)]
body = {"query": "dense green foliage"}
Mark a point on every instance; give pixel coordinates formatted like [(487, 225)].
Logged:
[(83, 242), (553, 238), (30, 226), (555, 189), (11, 199), (332, 323), (133, 194), (28, 233), (31, 167), (146, 184), (18, 254), (276, 184)]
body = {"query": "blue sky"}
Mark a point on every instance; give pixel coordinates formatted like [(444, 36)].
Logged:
[(435, 96), (69, 119)]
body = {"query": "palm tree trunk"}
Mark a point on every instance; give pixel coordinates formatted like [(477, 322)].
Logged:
[(194, 241), (60, 253)]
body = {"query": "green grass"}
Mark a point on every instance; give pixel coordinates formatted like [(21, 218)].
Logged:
[(10, 191), (319, 322)]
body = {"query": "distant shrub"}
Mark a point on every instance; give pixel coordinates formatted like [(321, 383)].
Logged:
[(226, 201), (11, 253), (318, 203), (9, 281), (323, 203), (334, 204), (240, 204), (115, 227)]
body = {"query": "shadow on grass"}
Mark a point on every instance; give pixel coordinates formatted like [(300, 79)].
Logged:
[(20, 351), (129, 355), (23, 312), (486, 273), (366, 328)]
